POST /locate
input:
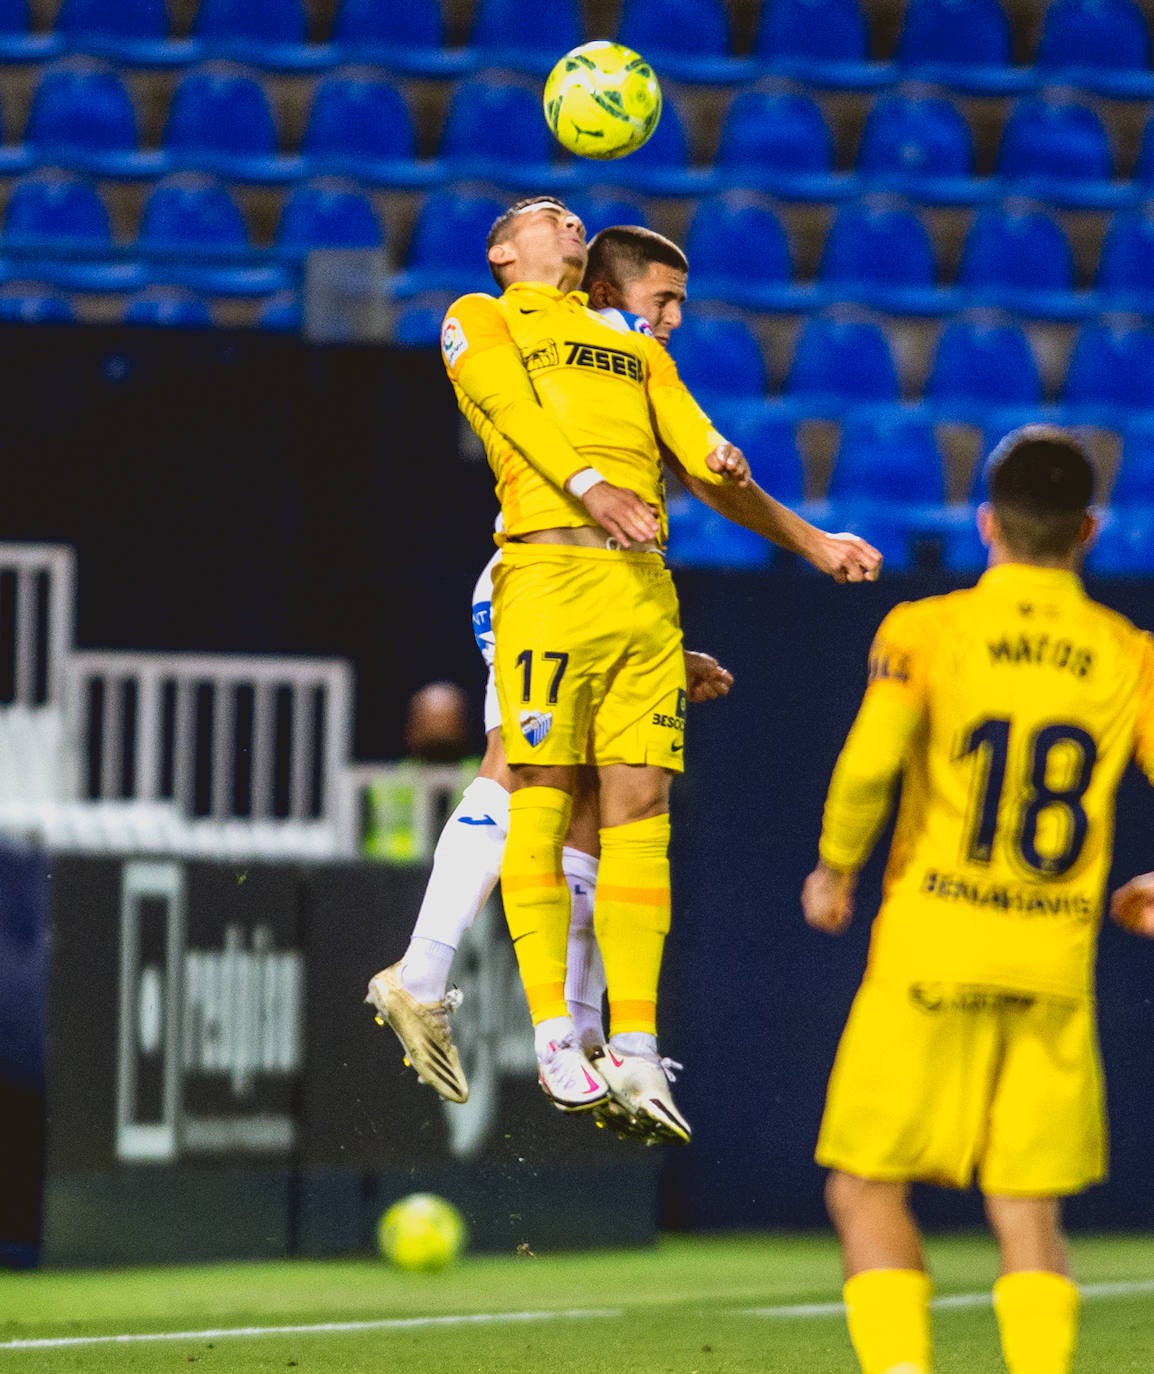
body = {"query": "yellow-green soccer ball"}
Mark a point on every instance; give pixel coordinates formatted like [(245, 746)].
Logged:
[(421, 1232), (602, 100)]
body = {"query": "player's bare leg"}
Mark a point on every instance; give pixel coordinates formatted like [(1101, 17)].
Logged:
[(1035, 1299), (887, 1289), (585, 973), (537, 910)]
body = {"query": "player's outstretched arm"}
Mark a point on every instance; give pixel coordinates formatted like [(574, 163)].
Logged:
[(827, 899), (1132, 906), (705, 678), (844, 557)]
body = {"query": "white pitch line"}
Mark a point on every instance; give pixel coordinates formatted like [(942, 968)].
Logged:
[(317, 1328), (952, 1300), (786, 1310)]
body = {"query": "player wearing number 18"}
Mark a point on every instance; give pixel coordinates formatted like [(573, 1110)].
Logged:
[(1010, 711)]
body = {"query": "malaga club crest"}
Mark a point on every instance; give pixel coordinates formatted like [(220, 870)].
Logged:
[(535, 725)]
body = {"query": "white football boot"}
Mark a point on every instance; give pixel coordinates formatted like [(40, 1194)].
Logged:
[(568, 1079), (639, 1084), (423, 1030)]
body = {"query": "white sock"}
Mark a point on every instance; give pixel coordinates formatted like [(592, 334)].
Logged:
[(550, 1032), (635, 1042), (585, 975), (466, 866)]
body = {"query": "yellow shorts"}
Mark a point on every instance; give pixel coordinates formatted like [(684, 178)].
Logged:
[(933, 1081), (589, 663)]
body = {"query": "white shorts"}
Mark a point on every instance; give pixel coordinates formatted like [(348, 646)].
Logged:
[(483, 634)]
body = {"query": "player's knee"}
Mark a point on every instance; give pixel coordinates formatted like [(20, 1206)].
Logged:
[(842, 1191)]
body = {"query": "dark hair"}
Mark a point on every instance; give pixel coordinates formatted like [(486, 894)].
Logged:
[(502, 223), (1041, 484), (624, 252)]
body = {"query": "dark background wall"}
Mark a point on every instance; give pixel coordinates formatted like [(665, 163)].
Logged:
[(250, 493)]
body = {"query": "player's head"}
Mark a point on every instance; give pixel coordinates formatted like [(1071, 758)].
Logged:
[(634, 269), (1041, 486), (437, 723), (537, 239)]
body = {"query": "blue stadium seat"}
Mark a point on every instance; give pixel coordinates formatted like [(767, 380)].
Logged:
[(1125, 278), (221, 121), (171, 308), (1020, 259), (418, 326), (407, 38), (447, 250), (59, 223), (840, 360), (134, 31), (481, 105), (768, 439), (360, 125), (17, 41), (1125, 545), (738, 252), (888, 458), (83, 117), (269, 33), (282, 312), (1111, 370), (1100, 44), (719, 355), (687, 40), (327, 213), (53, 208), (700, 538), (599, 210), (659, 167), (879, 252), (825, 42), (982, 362), (961, 43), (778, 141), (921, 145), (1059, 151), (195, 235), (33, 303), (1134, 482), (529, 38)]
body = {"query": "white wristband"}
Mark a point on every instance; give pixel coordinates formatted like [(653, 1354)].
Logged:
[(581, 481)]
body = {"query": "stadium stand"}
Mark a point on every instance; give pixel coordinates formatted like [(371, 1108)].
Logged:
[(858, 187)]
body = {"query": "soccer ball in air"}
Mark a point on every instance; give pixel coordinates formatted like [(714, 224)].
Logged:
[(602, 100), (421, 1232)]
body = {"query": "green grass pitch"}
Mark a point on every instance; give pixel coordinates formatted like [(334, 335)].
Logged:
[(710, 1305)]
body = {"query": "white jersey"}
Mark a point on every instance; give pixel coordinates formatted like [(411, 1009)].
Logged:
[(626, 323)]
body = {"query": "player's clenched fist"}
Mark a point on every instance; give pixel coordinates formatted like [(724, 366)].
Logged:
[(1132, 906), (827, 899), (847, 558), (705, 678), (726, 458)]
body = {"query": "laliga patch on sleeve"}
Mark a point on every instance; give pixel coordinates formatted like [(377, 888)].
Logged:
[(453, 341)]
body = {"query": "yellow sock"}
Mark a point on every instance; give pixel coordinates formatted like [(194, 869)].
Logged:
[(631, 919), (1038, 1320), (536, 895), (888, 1312)]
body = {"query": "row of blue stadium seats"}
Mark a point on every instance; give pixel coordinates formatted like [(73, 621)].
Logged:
[(37, 302), (221, 120), (1103, 44), (877, 252)]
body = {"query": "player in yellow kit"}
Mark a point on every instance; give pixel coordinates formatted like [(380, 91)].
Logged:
[(574, 414), (1009, 711)]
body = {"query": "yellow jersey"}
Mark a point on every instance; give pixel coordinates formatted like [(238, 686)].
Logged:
[(551, 387), (1010, 711)]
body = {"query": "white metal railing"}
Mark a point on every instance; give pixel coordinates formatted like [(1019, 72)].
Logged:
[(244, 740), (37, 583)]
